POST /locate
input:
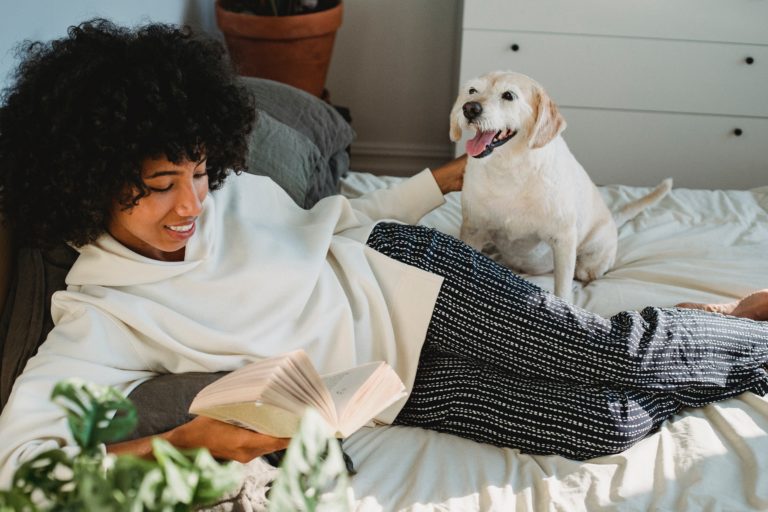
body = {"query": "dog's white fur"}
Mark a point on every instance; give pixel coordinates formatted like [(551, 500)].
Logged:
[(530, 197)]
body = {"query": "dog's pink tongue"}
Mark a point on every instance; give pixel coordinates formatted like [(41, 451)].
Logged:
[(476, 145)]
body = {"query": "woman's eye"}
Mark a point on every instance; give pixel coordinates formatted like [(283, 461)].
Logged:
[(164, 189), (201, 175), (472, 90), (509, 96)]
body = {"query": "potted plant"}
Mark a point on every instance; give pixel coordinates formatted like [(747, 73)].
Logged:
[(312, 476), (290, 41)]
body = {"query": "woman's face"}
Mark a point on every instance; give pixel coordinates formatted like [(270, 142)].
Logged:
[(162, 222)]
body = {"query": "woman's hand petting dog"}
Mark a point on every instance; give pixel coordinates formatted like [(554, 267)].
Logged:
[(754, 306), (450, 176)]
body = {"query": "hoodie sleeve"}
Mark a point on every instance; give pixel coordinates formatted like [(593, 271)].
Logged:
[(86, 344), (407, 201)]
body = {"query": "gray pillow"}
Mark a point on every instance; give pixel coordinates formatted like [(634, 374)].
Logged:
[(298, 140), (162, 403), (316, 119), (285, 155)]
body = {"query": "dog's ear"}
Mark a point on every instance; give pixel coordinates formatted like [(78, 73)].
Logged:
[(549, 122), (455, 131)]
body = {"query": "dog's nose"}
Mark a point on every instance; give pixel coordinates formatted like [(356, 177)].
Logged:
[(472, 109)]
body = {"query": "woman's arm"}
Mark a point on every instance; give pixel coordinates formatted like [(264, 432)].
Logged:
[(223, 440), (409, 200)]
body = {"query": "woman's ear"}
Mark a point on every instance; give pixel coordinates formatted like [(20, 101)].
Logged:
[(549, 122)]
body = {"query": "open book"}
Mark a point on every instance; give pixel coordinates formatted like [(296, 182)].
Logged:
[(271, 395)]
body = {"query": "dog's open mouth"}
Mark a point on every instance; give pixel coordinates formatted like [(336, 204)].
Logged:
[(484, 143)]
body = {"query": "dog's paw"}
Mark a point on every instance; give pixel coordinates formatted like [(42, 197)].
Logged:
[(587, 275)]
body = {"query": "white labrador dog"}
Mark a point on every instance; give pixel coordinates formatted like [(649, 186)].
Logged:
[(524, 191)]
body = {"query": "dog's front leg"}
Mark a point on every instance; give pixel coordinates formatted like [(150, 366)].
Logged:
[(472, 236), (564, 254), (470, 232)]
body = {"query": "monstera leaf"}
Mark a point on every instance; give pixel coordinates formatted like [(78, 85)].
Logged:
[(93, 480), (96, 414), (313, 475)]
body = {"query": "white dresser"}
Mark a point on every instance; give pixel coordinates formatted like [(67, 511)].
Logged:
[(649, 88)]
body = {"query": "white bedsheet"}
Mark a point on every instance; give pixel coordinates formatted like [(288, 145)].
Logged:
[(695, 245)]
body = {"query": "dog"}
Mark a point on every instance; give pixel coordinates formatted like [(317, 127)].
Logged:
[(524, 192)]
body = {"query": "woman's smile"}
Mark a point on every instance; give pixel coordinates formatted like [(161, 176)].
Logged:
[(176, 194), (181, 231)]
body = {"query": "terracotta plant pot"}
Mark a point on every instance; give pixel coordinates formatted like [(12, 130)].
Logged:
[(291, 49)]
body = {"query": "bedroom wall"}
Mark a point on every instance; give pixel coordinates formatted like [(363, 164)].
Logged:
[(394, 65), (49, 19)]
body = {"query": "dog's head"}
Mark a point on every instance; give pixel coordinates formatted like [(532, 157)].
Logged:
[(504, 108)]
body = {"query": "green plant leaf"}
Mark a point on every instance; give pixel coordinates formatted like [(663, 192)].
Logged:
[(50, 475), (94, 493), (193, 477), (96, 414), (313, 476), (136, 483), (180, 475), (15, 501), (215, 478), (91, 480)]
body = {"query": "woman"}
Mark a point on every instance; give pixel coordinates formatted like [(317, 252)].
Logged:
[(119, 142)]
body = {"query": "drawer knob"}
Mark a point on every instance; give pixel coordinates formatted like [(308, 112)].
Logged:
[(737, 132), (749, 60), (515, 47)]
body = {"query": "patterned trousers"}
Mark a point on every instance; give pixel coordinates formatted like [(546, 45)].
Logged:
[(507, 363)]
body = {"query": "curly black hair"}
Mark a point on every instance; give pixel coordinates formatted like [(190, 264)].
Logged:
[(86, 110)]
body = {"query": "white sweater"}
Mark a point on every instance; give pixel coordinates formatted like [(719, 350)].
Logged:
[(260, 277)]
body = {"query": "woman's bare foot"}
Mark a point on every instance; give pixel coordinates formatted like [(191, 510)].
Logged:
[(754, 306), (725, 309)]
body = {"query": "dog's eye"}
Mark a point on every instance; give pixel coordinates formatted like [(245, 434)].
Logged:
[(509, 96), (472, 90)]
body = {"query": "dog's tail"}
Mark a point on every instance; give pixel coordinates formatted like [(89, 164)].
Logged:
[(630, 210)]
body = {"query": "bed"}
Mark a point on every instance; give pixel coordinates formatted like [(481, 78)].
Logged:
[(700, 245)]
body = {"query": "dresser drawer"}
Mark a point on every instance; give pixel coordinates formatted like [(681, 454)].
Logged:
[(627, 73), (642, 148), (741, 21)]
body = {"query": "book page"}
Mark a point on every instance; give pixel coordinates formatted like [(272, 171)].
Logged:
[(243, 384), (343, 385), (362, 392), (266, 393)]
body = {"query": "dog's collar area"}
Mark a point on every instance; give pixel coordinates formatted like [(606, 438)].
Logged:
[(481, 140)]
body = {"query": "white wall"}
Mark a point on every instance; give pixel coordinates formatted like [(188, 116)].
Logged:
[(48, 19), (394, 64)]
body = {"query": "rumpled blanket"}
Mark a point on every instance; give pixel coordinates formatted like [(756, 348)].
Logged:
[(251, 495)]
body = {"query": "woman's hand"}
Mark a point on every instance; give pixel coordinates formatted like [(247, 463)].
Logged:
[(223, 440), (450, 176), (754, 306)]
